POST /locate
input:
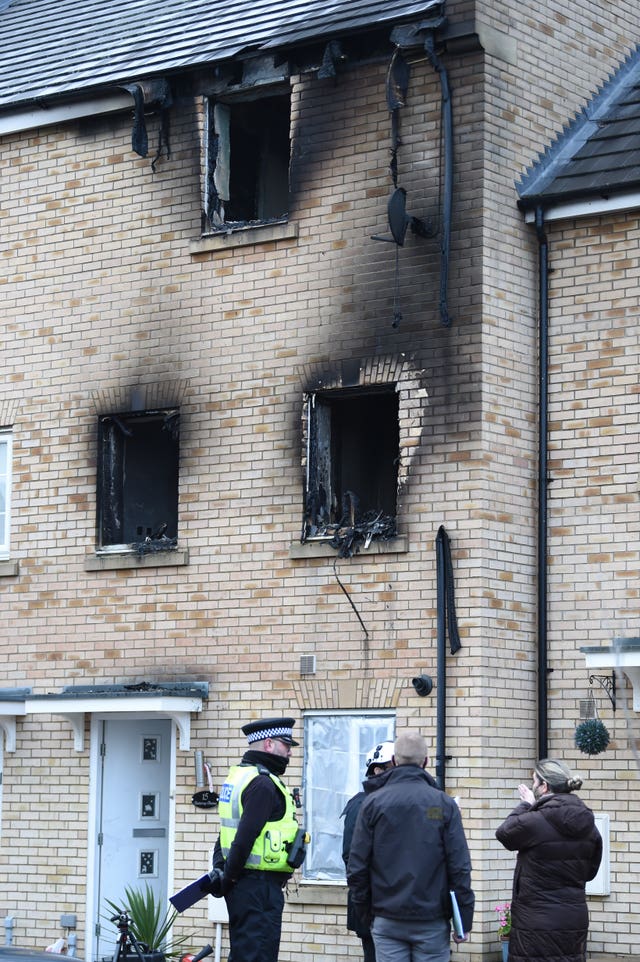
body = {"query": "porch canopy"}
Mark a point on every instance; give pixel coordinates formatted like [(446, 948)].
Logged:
[(175, 700)]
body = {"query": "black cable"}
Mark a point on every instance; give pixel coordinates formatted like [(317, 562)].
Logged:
[(348, 597)]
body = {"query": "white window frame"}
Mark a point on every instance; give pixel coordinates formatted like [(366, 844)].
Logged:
[(6, 442), (336, 745), (2, 737)]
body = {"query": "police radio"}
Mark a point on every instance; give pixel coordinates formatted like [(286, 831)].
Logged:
[(298, 848)]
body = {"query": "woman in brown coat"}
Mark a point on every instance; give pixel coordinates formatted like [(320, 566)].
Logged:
[(559, 849)]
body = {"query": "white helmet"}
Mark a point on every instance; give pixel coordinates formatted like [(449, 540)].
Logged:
[(379, 755)]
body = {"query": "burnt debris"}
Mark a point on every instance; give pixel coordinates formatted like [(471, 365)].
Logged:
[(354, 531)]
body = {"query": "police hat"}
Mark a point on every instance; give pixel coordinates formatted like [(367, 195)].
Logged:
[(281, 728)]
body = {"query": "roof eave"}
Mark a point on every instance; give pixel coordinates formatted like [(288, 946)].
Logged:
[(284, 46), (568, 206)]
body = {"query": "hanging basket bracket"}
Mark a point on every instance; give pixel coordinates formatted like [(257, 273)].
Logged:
[(608, 684)]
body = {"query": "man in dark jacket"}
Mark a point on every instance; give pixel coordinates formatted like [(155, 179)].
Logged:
[(559, 849), (408, 853), (379, 760)]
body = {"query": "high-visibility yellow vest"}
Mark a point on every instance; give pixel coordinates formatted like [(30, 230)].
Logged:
[(271, 848)]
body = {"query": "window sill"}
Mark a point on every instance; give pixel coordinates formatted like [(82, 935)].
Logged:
[(110, 561), (244, 237), (319, 893), (9, 569), (321, 549)]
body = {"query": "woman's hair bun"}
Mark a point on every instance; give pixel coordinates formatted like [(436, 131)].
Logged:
[(557, 775)]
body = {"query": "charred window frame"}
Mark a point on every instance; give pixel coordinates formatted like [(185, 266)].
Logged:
[(138, 478), (353, 445), (248, 147)]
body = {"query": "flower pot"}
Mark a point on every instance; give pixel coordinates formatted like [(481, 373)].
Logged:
[(133, 956), (504, 944)]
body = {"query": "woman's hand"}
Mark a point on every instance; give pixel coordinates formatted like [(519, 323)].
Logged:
[(526, 795)]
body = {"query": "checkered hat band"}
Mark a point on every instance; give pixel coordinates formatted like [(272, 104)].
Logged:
[(270, 733)]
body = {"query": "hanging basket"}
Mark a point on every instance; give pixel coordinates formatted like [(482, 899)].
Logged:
[(588, 707), (591, 737)]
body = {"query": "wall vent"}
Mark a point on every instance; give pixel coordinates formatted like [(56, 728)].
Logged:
[(308, 665)]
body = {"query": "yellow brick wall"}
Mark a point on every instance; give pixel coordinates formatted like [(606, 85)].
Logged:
[(595, 520), (539, 74), (101, 292)]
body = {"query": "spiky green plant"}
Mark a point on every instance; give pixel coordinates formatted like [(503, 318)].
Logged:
[(591, 737), (148, 922)]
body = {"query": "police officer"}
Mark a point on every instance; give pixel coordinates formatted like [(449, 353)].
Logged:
[(258, 828)]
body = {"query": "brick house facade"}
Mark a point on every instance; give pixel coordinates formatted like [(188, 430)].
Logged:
[(135, 296)]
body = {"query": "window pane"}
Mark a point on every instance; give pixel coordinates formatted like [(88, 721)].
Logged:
[(353, 449), (259, 160), (138, 477), (336, 747), (248, 147), (5, 490)]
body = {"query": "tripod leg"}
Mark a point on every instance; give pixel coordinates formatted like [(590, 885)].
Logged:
[(120, 951), (136, 946)]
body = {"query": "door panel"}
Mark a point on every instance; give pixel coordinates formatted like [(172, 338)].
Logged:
[(132, 816)]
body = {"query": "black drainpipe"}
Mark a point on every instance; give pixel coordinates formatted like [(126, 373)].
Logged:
[(441, 669), (543, 428), (446, 618)]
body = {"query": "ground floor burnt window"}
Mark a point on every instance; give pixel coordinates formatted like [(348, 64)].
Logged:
[(352, 462), (138, 478)]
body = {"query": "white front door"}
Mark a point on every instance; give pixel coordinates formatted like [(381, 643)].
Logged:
[(132, 817)]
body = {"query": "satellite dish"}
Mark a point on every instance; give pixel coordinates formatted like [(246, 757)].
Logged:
[(399, 220)]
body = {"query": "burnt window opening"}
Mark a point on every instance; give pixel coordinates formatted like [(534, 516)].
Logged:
[(352, 466), (248, 147), (138, 479)]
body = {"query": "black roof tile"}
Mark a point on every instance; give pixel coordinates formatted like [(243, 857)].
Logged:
[(53, 48), (599, 152)]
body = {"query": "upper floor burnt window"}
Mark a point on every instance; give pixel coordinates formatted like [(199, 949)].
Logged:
[(353, 444), (247, 159), (138, 478)]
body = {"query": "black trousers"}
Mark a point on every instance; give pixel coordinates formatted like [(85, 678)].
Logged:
[(368, 948), (255, 905)]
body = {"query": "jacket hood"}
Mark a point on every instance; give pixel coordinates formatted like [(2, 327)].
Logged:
[(375, 781), (400, 772), (567, 813), (276, 764)]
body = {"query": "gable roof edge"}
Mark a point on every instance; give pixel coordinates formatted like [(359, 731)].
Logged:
[(577, 132)]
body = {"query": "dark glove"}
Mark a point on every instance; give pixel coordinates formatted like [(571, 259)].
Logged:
[(219, 884), (363, 917), (215, 885)]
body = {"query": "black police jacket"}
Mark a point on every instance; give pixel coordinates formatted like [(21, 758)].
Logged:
[(350, 813)]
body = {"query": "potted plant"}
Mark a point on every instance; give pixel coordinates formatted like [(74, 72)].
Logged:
[(503, 912), (149, 923)]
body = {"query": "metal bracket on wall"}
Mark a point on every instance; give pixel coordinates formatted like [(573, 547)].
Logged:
[(608, 683)]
